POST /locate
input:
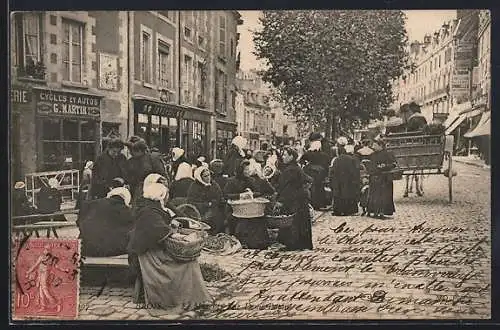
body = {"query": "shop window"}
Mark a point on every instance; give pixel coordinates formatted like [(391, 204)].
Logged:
[(67, 139), (154, 135), (72, 48), (173, 129), (185, 135), (70, 130)]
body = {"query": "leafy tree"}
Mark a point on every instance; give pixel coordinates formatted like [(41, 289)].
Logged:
[(333, 66)]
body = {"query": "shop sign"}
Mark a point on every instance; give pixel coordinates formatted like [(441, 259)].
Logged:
[(460, 82), (158, 109), (20, 95), (67, 104)]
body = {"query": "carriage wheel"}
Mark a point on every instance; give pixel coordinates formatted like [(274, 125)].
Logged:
[(450, 178)]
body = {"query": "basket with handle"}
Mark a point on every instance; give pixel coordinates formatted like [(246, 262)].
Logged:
[(182, 250), (280, 221), (249, 208)]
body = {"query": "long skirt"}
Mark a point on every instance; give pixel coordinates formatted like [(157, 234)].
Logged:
[(345, 206), (168, 283), (299, 235), (252, 233), (380, 199)]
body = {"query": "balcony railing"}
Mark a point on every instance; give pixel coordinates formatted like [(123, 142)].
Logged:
[(32, 70)]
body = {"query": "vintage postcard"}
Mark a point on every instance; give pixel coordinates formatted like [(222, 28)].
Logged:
[(250, 165)]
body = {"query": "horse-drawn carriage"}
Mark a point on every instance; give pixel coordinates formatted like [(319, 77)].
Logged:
[(421, 154)]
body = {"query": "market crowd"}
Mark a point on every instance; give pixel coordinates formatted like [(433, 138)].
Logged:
[(129, 205)]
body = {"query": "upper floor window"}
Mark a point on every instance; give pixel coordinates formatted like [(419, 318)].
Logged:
[(222, 36), (164, 65), (146, 57), (28, 43), (232, 47), (72, 57), (169, 14)]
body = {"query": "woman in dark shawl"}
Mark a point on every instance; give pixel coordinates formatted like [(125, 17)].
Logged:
[(168, 284), (345, 182), (105, 224), (317, 168), (235, 155), (293, 196), (206, 195), (216, 166), (183, 181), (380, 200), (252, 233)]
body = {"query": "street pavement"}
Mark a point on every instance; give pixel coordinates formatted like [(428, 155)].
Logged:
[(431, 260)]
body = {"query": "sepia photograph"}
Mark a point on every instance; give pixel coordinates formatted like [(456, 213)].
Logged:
[(237, 165)]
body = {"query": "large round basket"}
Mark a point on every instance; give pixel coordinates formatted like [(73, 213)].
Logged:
[(249, 208), (185, 251), (280, 221)]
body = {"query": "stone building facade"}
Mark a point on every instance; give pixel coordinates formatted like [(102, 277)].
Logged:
[(80, 76), (68, 85)]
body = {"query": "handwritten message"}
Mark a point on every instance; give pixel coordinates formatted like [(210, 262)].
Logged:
[(368, 271)]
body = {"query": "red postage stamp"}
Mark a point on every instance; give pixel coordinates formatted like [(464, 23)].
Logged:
[(47, 278)]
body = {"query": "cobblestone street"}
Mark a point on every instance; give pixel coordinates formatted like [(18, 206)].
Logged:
[(431, 260)]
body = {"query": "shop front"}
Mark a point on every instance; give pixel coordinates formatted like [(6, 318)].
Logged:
[(195, 137), (226, 131), (22, 131), (67, 129), (158, 123)]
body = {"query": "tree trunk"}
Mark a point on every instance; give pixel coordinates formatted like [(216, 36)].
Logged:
[(329, 124), (335, 126)]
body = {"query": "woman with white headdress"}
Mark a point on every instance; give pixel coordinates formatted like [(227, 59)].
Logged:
[(183, 181), (235, 155), (206, 195), (105, 224), (168, 284), (317, 168), (50, 198), (178, 158)]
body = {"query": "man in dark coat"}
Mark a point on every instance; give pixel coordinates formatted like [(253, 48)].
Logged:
[(109, 165), (141, 165)]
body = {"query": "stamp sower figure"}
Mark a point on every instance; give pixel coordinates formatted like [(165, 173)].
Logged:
[(43, 267)]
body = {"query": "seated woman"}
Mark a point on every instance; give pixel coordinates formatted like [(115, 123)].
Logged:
[(252, 233), (264, 186), (20, 203), (168, 284), (206, 195), (183, 181), (105, 223)]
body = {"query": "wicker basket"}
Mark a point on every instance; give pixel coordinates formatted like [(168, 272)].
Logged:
[(185, 251), (280, 221), (249, 208)]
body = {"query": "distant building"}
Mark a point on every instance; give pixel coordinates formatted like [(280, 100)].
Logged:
[(262, 119)]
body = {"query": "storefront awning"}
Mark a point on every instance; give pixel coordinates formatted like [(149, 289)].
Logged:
[(452, 116), (455, 124), (482, 128)]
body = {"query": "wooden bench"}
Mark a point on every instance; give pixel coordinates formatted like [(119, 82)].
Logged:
[(50, 226), (120, 261)]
